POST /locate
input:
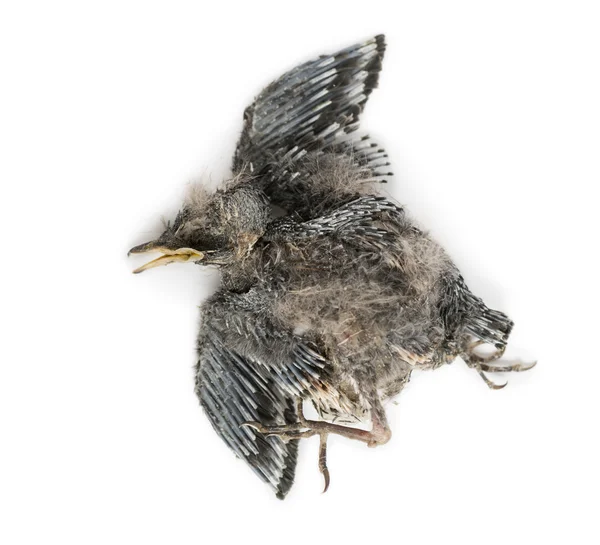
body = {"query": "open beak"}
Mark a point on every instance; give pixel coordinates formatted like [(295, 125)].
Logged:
[(181, 255)]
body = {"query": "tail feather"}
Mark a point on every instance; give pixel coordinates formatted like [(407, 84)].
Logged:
[(488, 325), (465, 314)]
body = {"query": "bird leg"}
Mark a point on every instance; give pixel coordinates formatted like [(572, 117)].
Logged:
[(379, 434), (323, 469), (481, 364)]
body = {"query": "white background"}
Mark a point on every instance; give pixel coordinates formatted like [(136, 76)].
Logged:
[(490, 112)]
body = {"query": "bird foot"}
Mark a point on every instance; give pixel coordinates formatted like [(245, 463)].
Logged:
[(297, 431), (307, 428), (286, 432), (481, 364)]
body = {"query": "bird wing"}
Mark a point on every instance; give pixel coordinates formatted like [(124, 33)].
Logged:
[(313, 107), (355, 221), (234, 389)]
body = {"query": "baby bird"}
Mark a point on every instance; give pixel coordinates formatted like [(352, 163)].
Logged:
[(335, 301)]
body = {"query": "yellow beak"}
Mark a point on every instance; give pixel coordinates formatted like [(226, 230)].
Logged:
[(181, 255)]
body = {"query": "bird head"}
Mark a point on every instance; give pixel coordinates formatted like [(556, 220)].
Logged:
[(211, 229)]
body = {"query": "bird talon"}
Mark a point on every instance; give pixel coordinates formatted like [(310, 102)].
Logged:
[(326, 478), (520, 367), (482, 364), (257, 426), (491, 384), (494, 386), (515, 367), (323, 461)]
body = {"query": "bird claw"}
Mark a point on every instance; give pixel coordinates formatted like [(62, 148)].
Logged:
[(491, 384), (482, 364), (325, 473), (511, 368), (252, 424), (323, 461)]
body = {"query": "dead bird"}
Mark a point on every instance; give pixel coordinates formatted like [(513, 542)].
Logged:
[(336, 301)]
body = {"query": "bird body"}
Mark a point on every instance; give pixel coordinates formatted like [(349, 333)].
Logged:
[(336, 301)]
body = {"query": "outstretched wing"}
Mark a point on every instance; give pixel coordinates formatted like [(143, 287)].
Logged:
[(312, 107), (234, 389)]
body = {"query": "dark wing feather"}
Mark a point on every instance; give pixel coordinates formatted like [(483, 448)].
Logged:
[(235, 389), (313, 107), (353, 221)]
